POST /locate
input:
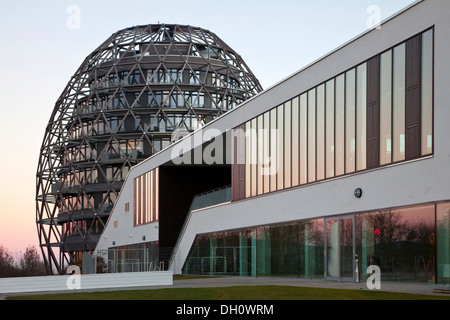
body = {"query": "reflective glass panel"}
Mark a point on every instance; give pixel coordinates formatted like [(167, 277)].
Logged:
[(399, 74), (312, 135), (329, 154), (350, 118), (386, 108), (287, 144), (427, 92), (295, 142), (303, 139), (340, 126), (361, 116), (320, 121), (281, 147)]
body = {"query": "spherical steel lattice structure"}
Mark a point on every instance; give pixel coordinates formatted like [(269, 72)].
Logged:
[(121, 106)]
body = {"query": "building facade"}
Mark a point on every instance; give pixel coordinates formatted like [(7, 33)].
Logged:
[(341, 166)]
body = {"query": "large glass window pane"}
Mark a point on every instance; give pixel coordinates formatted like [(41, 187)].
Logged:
[(303, 139), (443, 241), (311, 262), (427, 92), (350, 115), (267, 164), (340, 125), (274, 150), (312, 135), (361, 116), (287, 144), (386, 108), (320, 132), (280, 120), (260, 159), (253, 156), (295, 142), (399, 74), (398, 241), (329, 129)]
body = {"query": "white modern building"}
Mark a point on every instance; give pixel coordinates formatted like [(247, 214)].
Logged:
[(343, 165)]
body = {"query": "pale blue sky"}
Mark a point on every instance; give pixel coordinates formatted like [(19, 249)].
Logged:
[(39, 54)]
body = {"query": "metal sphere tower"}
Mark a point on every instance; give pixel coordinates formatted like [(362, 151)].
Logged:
[(121, 106)]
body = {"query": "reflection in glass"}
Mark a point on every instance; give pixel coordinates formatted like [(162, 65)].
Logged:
[(332, 227), (267, 151), (295, 142), (350, 116), (287, 144), (274, 149), (427, 92), (340, 125), (311, 261), (329, 154), (303, 139), (361, 116), (443, 240), (346, 247), (386, 108), (280, 119), (254, 156), (320, 132), (398, 241), (399, 74), (260, 155), (312, 135)]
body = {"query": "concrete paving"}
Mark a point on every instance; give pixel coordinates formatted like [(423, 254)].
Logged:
[(424, 289)]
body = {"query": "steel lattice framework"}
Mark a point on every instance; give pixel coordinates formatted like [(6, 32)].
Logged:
[(121, 106)]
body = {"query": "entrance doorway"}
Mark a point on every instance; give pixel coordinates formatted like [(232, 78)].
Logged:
[(339, 248)]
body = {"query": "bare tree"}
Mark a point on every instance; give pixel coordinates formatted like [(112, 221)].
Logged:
[(7, 268), (30, 263)]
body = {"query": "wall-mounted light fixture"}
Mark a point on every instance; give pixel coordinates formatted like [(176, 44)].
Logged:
[(143, 238), (358, 192)]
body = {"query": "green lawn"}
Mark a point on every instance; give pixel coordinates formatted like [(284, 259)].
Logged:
[(236, 293)]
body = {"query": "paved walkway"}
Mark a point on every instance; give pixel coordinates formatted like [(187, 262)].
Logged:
[(424, 289)]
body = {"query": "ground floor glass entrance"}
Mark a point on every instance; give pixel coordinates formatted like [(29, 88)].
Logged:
[(409, 244)]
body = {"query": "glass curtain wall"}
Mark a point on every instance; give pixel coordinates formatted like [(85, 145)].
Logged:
[(322, 133), (409, 244)]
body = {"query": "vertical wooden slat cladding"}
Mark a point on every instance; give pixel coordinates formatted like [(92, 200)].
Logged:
[(373, 112), (413, 98), (238, 165)]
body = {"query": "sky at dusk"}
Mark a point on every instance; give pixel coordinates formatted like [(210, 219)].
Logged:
[(44, 42)]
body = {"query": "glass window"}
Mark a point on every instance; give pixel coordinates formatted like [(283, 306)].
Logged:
[(443, 241), (248, 148), (274, 149), (254, 156), (398, 241), (303, 139), (266, 146), (287, 144), (340, 125), (427, 92), (312, 135), (280, 119), (329, 129), (386, 108), (350, 113), (320, 132), (399, 74), (295, 142), (361, 105), (260, 159)]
